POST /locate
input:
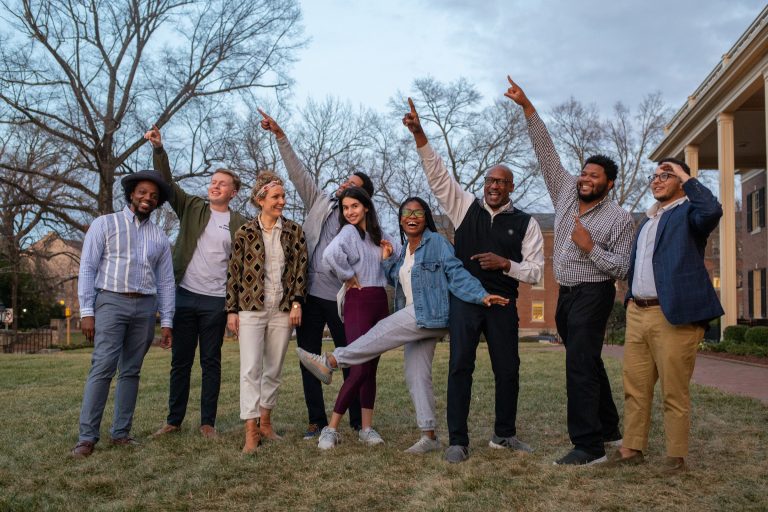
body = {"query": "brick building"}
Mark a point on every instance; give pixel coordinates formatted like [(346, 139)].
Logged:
[(752, 240)]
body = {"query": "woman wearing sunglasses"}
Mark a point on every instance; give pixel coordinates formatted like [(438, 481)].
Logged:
[(423, 273)]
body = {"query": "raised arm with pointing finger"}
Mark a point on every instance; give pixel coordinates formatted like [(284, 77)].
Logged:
[(593, 240), (500, 246)]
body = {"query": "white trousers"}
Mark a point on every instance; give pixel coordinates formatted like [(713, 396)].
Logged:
[(396, 330), (264, 339)]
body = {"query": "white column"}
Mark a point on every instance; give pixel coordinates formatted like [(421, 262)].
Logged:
[(692, 158), (726, 164)]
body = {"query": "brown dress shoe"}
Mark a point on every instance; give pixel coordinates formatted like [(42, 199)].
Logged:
[(166, 429), (208, 432), (83, 449), (252, 436), (616, 459), (124, 441), (673, 465)]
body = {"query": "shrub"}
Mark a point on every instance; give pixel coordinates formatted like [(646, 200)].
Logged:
[(757, 336), (735, 333), (749, 349), (715, 347)]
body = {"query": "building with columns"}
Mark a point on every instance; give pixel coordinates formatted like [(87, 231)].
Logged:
[(723, 127)]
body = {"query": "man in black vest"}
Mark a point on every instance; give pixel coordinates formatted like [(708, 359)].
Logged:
[(499, 245)]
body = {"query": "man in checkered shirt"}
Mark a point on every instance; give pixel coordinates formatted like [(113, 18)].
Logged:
[(593, 243)]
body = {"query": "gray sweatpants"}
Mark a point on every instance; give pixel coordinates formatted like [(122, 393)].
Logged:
[(396, 330)]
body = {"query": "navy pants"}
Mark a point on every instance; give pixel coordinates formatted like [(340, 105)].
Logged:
[(198, 319), (581, 317), (499, 325)]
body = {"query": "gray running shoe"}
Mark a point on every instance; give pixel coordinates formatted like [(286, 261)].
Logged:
[(424, 445), (370, 437), (513, 443), (456, 453), (329, 438), (317, 364)]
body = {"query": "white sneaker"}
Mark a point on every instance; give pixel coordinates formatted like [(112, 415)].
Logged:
[(424, 445), (317, 364), (370, 437), (329, 438)]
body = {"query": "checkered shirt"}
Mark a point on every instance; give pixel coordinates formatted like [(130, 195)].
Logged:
[(610, 226)]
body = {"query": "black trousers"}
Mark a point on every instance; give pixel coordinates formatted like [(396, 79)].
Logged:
[(316, 313), (198, 318), (581, 317), (499, 325)]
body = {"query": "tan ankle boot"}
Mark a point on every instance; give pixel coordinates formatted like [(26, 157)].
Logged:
[(265, 427), (252, 436)]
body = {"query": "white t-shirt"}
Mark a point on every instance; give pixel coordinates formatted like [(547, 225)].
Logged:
[(206, 273), (405, 276)]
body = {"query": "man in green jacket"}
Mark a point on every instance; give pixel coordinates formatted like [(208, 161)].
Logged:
[(200, 259)]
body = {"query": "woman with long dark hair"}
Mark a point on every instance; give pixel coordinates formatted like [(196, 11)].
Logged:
[(355, 257), (423, 273)]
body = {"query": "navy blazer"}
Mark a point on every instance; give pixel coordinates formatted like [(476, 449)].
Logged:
[(686, 294)]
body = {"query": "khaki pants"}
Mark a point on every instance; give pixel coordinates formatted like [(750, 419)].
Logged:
[(263, 343), (654, 350)]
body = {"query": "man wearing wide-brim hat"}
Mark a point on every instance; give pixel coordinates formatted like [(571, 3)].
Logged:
[(126, 278)]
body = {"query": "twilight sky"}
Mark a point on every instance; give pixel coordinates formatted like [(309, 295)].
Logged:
[(598, 51)]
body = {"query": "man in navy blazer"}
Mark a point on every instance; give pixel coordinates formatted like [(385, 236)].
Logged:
[(669, 302)]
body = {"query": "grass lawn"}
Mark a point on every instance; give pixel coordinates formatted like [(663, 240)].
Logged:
[(40, 397)]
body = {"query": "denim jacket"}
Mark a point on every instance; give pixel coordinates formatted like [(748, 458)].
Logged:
[(436, 273)]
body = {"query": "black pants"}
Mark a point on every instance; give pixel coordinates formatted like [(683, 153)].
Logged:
[(499, 325), (316, 313), (198, 318), (581, 317)]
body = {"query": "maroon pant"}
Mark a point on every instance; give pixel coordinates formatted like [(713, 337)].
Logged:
[(362, 309)]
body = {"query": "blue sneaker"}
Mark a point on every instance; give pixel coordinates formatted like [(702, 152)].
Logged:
[(313, 430)]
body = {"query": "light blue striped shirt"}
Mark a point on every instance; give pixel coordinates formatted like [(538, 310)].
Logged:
[(122, 255)]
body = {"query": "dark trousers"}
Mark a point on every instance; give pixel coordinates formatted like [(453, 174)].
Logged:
[(198, 318), (316, 313), (581, 317), (362, 309), (499, 325)]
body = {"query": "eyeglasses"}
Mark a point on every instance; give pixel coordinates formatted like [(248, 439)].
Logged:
[(497, 181), (662, 176), (412, 213)]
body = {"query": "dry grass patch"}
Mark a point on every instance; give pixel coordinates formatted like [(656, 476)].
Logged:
[(41, 399)]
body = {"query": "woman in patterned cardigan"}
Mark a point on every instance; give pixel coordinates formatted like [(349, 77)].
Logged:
[(266, 286)]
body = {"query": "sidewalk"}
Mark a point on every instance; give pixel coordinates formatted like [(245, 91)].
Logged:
[(731, 377)]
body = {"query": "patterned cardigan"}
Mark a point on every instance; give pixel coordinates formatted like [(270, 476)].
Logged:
[(246, 271)]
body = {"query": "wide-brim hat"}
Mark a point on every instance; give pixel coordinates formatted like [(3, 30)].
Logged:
[(130, 181)]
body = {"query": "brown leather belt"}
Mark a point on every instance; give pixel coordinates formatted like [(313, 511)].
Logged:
[(645, 303)]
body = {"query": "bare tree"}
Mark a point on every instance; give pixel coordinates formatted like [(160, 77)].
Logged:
[(630, 139), (579, 132), (576, 131), (96, 74), (470, 138), (32, 165)]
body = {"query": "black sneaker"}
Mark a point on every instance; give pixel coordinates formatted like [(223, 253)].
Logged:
[(578, 457)]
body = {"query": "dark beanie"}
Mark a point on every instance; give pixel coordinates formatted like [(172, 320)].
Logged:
[(367, 183)]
